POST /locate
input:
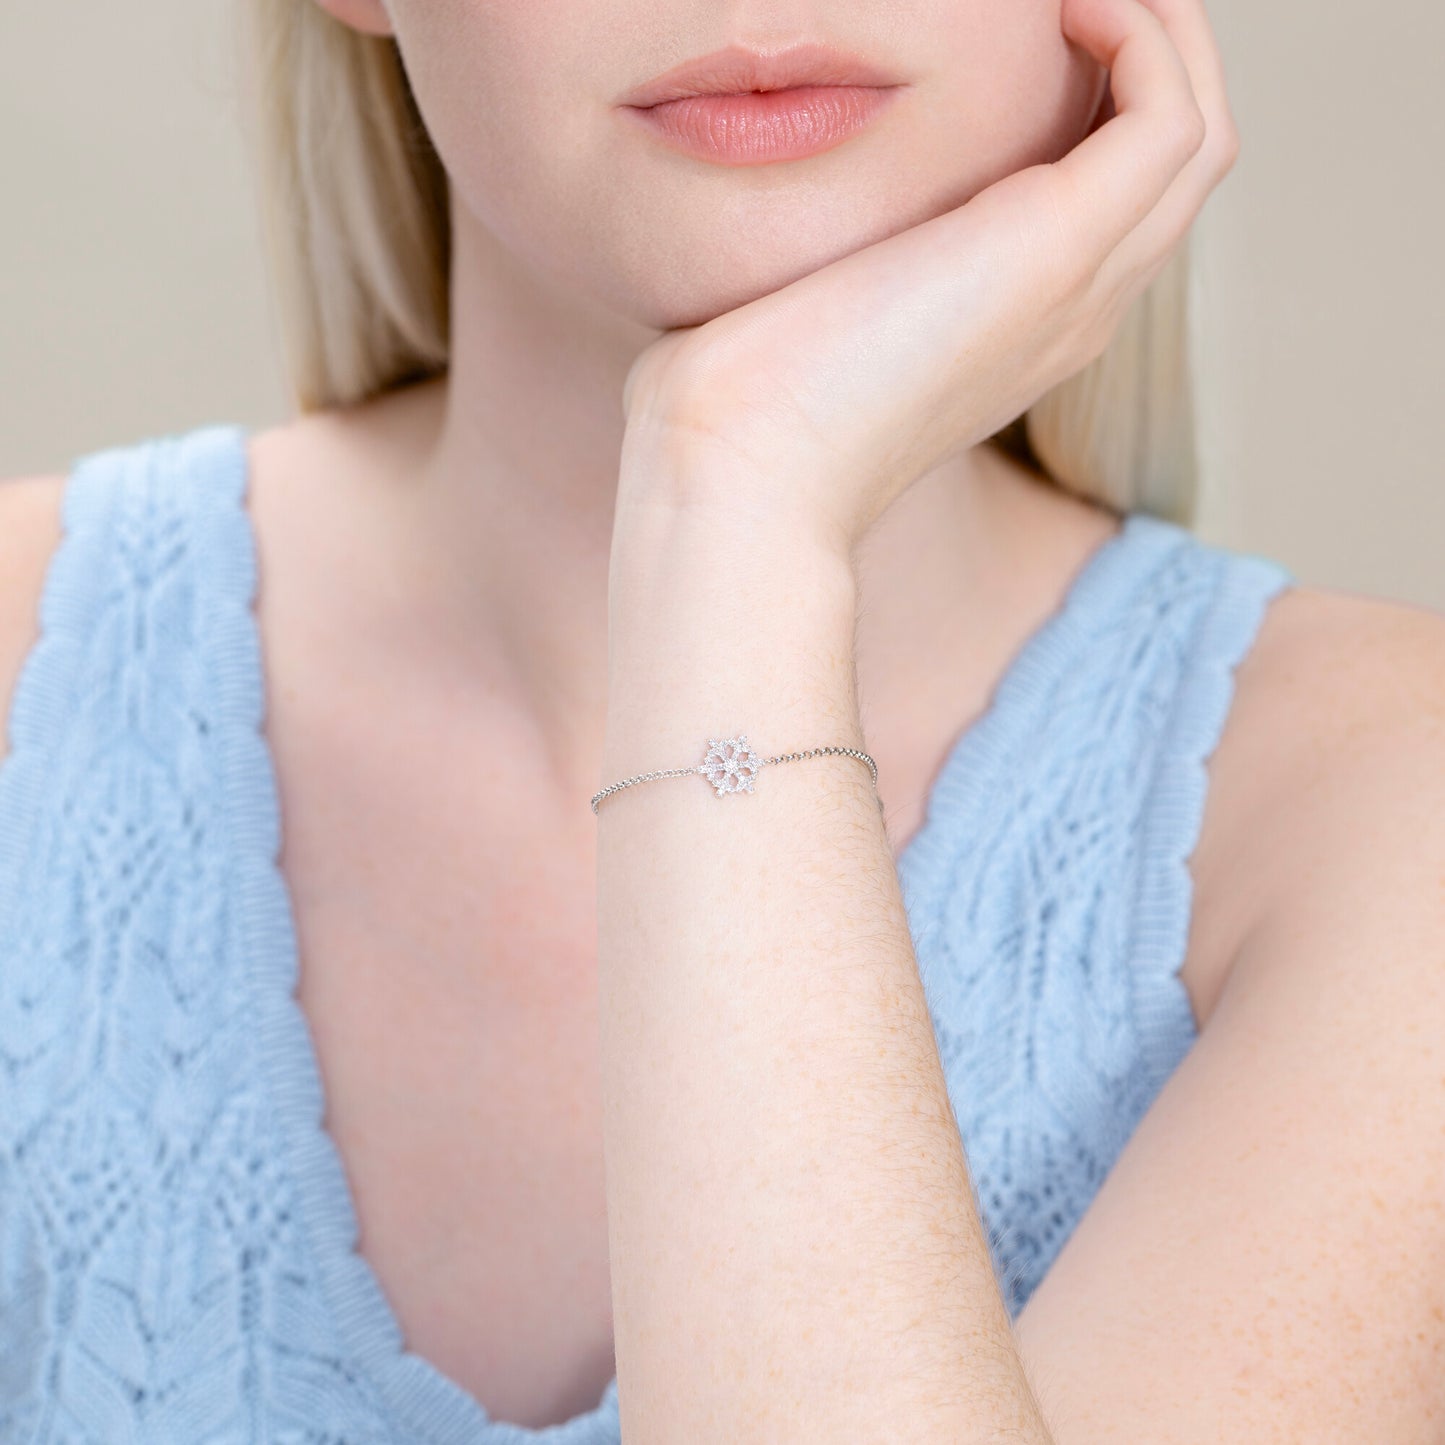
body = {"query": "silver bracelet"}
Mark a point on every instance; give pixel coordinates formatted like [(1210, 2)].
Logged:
[(731, 765)]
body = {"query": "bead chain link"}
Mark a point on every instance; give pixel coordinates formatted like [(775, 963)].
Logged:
[(702, 768)]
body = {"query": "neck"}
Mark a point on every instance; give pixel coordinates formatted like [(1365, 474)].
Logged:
[(495, 486)]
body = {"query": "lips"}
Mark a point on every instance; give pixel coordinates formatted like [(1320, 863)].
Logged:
[(737, 70)]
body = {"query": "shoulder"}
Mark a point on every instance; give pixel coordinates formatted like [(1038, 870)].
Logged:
[(38, 510), (1311, 1108), (30, 532), (1333, 762), (1336, 683)]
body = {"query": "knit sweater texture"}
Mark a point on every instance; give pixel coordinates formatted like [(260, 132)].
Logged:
[(179, 1257)]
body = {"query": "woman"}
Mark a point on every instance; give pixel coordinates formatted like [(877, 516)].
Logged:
[(641, 434)]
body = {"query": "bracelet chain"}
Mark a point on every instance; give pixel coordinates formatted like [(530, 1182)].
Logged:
[(745, 785)]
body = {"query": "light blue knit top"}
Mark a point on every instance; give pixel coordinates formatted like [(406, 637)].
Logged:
[(178, 1254)]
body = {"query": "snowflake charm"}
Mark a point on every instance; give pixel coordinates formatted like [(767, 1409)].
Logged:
[(731, 764)]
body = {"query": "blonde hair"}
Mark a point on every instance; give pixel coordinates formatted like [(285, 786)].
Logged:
[(353, 200)]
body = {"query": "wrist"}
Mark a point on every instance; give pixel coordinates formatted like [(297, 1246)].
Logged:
[(677, 489), (713, 626), (699, 570)]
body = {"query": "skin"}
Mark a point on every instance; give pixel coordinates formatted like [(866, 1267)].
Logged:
[(743, 1308), (378, 531), (796, 1246), (384, 559), (578, 242)]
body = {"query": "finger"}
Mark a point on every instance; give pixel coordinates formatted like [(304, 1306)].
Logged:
[(1139, 257), (1187, 24), (1115, 176)]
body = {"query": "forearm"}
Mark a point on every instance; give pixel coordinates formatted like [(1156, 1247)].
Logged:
[(795, 1251)]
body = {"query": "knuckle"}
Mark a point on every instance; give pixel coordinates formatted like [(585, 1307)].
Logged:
[(1080, 283), (1227, 142), (1188, 130), (1198, 129), (1093, 324), (1076, 277)]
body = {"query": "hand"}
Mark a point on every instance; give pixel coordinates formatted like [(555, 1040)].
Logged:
[(821, 402)]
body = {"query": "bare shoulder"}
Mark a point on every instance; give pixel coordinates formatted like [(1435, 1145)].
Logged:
[(1332, 763), (1295, 1152), (1334, 675), (30, 531)]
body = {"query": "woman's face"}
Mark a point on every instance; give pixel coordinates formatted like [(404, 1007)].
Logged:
[(523, 99)]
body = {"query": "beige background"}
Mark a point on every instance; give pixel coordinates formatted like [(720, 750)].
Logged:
[(133, 299)]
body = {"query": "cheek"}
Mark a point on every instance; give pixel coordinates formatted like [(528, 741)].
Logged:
[(508, 106), (1011, 91)]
